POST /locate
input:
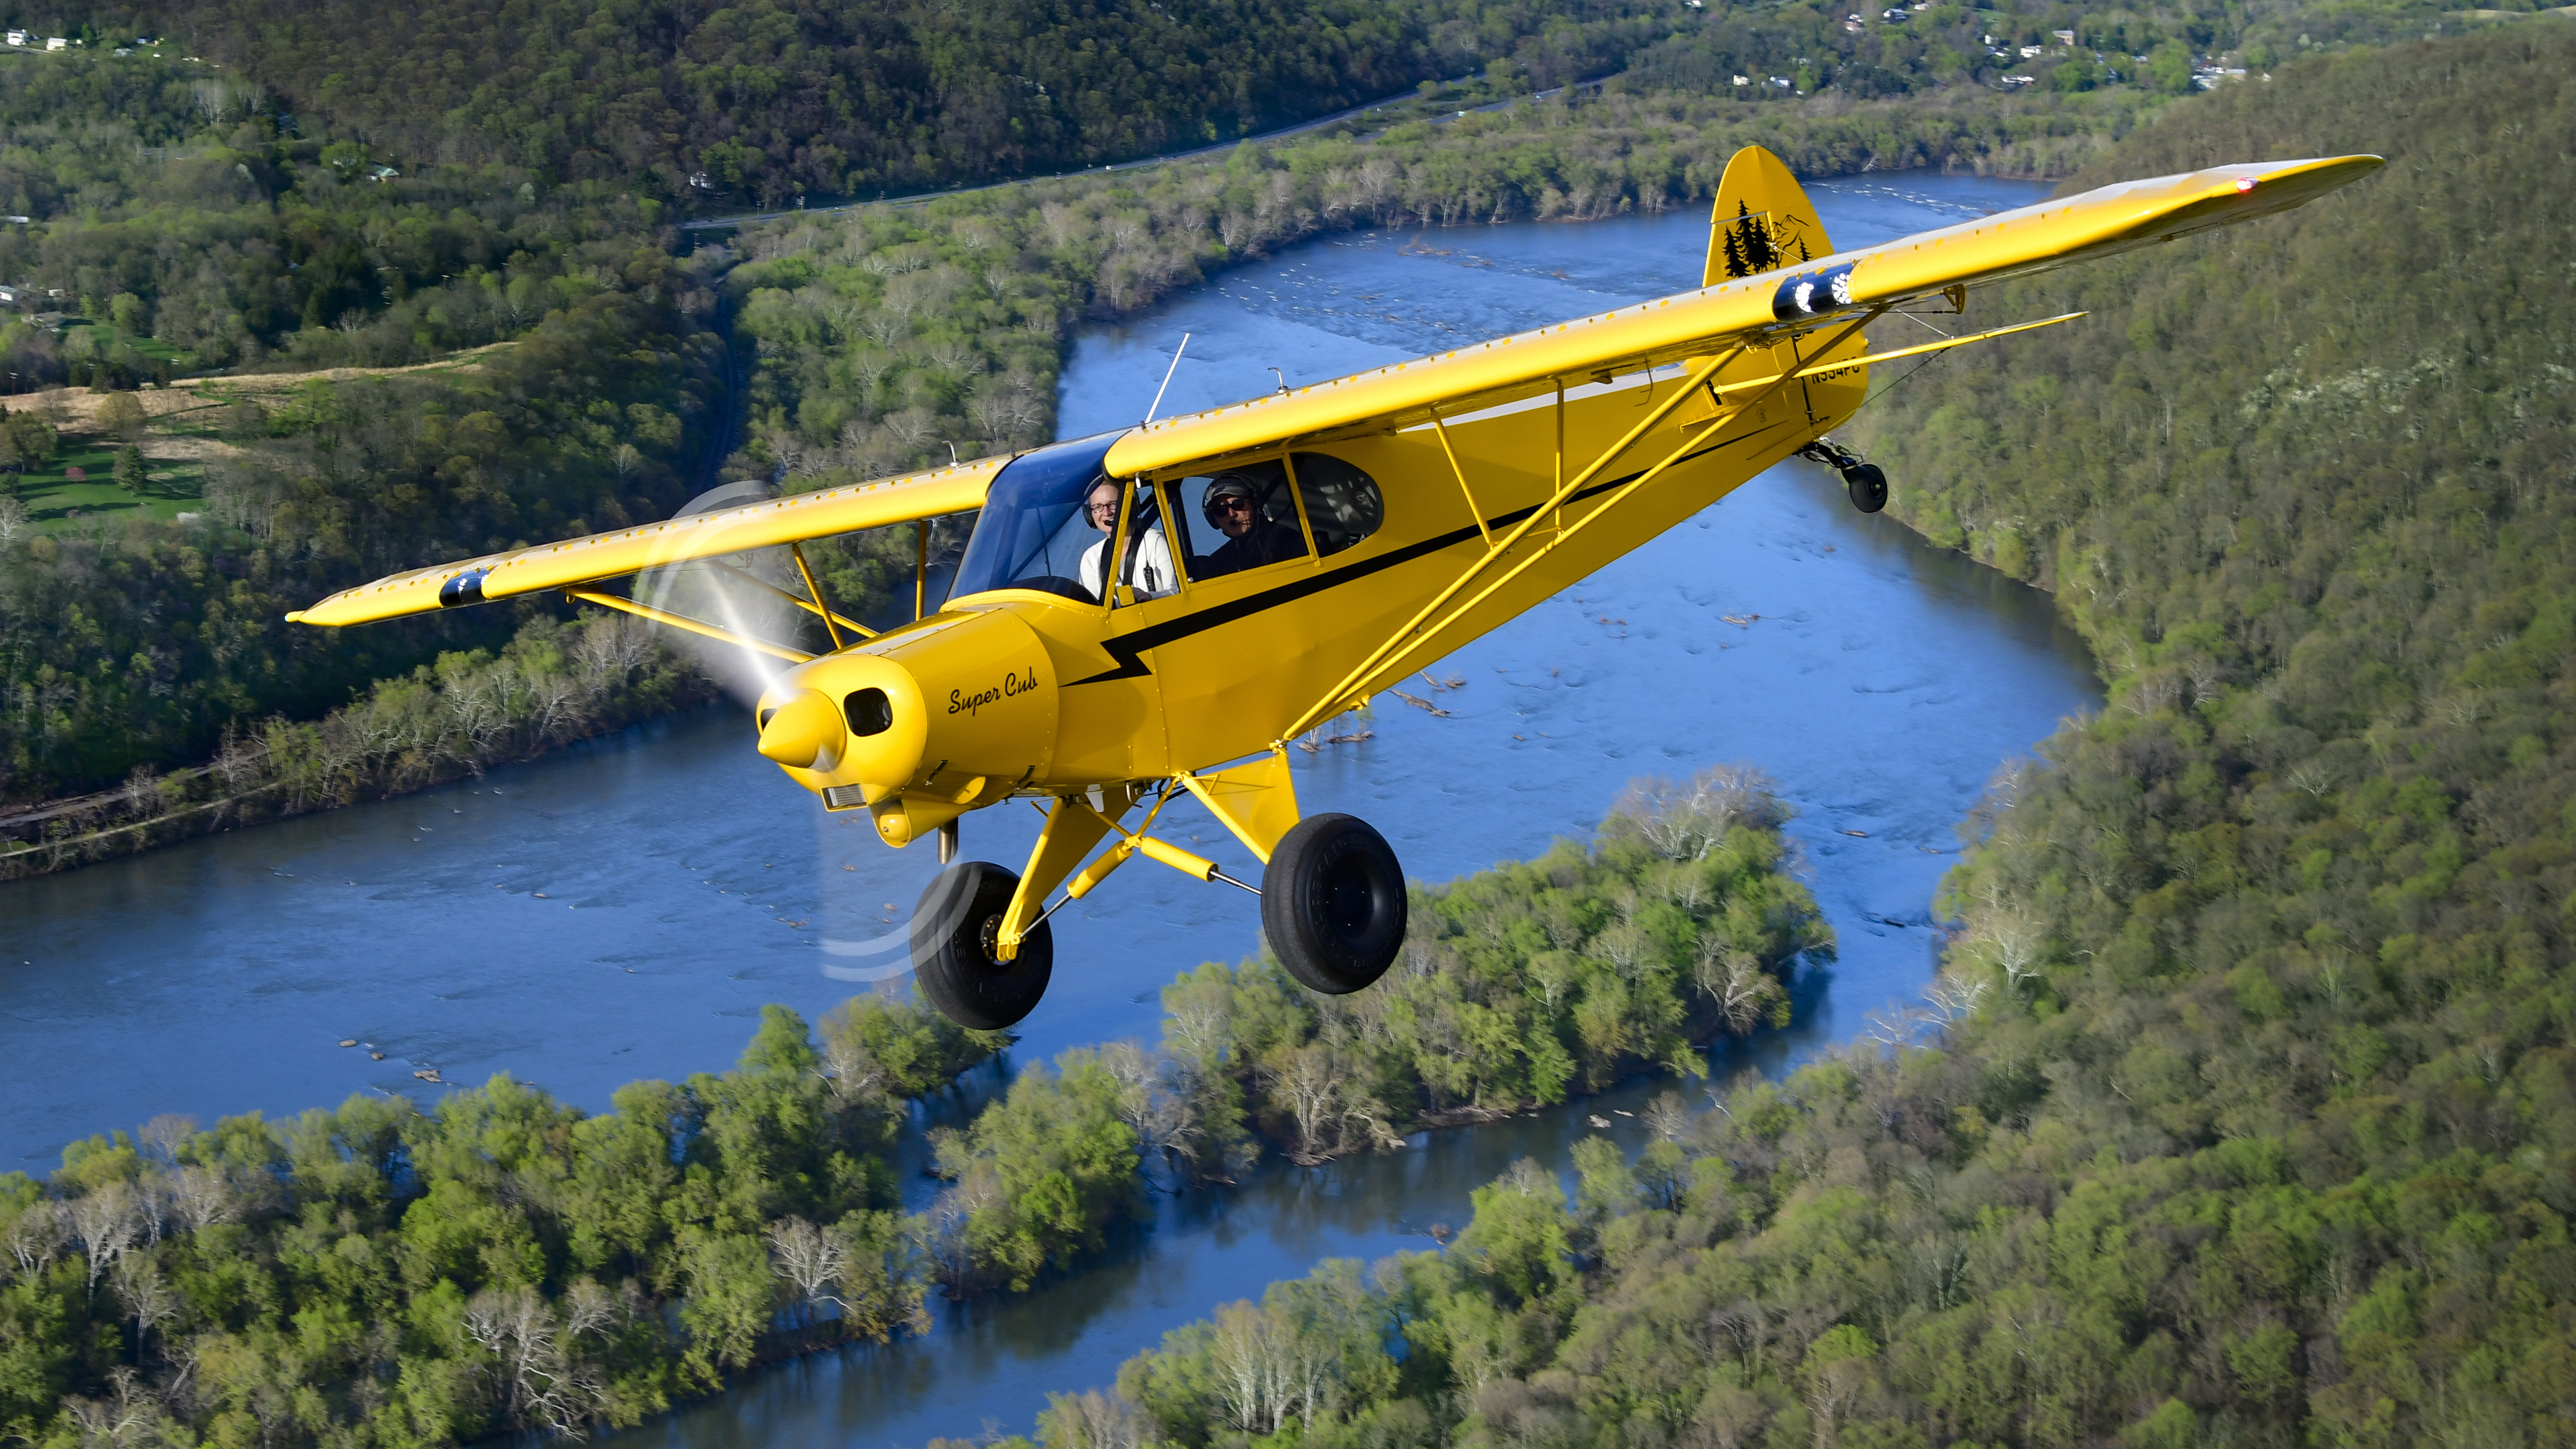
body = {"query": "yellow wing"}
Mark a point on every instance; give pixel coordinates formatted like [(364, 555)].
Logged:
[(1695, 324), (1756, 309), (615, 555)]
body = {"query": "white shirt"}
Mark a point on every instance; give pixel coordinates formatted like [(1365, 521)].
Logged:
[(1153, 574)]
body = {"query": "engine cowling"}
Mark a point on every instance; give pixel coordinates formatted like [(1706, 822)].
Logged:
[(918, 726)]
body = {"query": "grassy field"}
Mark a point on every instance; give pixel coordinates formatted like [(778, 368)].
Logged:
[(55, 499)]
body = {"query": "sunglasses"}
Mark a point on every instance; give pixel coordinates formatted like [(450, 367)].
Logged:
[(1229, 505)]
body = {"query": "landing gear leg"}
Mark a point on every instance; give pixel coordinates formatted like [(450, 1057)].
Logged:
[(1332, 903), (1865, 482)]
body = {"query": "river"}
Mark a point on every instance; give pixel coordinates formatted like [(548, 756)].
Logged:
[(624, 908)]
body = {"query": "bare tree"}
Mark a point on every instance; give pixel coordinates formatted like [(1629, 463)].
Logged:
[(1248, 1362), (133, 1417), (37, 1237), (1954, 1000), (150, 1299), (1096, 1420), (1745, 992), (2010, 943), (214, 99), (852, 1072), (1686, 821), (13, 520), (1666, 1117), (163, 1136), (812, 1258), (538, 1385), (106, 1224), (1304, 1078)]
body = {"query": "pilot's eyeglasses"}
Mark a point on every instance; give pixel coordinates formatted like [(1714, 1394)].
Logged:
[(1229, 505), (1103, 505)]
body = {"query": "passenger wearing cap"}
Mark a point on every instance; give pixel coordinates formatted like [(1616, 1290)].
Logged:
[(1148, 565), (1232, 506)]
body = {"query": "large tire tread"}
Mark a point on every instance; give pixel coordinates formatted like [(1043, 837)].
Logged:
[(1333, 903), (952, 959)]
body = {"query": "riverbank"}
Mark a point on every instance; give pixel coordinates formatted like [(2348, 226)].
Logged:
[(885, 333), (552, 684), (558, 1271)]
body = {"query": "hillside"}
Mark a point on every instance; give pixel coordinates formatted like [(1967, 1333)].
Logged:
[(773, 99), (2245, 1113)]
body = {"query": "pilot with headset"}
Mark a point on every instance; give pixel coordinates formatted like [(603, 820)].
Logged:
[(1232, 506), (1148, 566)]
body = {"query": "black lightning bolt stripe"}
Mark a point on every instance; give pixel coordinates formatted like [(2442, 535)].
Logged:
[(1127, 648)]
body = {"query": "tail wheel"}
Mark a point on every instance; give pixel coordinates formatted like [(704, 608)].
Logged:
[(1867, 484), (954, 933), (1332, 903)]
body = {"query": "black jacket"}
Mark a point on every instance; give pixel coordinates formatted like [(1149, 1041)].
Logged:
[(1264, 543)]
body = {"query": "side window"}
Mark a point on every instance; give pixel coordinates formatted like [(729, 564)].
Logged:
[(1343, 505), (1146, 565), (1242, 518)]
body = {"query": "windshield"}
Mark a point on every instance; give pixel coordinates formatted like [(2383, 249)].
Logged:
[(1033, 533)]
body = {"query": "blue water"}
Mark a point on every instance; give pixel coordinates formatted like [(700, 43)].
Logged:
[(623, 909)]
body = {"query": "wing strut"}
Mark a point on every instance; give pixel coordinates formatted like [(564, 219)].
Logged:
[(1477, 513), (1343, 690), (808, 605), (682, 621)]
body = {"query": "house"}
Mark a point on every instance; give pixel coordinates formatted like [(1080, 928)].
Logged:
[(2020, 80), (2064, 37), (17, 37), (2028, 51), (1744, 80), (13, 295), (56, 42), (381, 173)]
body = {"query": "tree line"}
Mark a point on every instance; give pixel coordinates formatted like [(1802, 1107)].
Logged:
[(551, 683), (381, 1275), (767, 101), (886, 335)]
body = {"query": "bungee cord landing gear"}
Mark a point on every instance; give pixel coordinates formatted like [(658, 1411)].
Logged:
[(1865, 482)]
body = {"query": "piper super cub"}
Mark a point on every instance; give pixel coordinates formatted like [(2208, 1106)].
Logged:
[(1161, 610)]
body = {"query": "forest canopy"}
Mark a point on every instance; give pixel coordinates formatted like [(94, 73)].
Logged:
[(2244, 1111)]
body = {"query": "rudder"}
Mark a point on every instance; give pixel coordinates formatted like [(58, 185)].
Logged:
[(1762, 220)]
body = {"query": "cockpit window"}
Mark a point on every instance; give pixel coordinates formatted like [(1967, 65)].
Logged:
[(1343, 505), (1237, 520), (1033, 533)]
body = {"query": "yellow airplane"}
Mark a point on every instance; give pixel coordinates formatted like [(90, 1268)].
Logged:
[(1270, 565)]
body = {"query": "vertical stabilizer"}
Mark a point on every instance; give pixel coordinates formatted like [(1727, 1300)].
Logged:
[(1762, 220)]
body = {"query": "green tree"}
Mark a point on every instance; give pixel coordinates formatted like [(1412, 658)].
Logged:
[(2169, 68), (120, 415)]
